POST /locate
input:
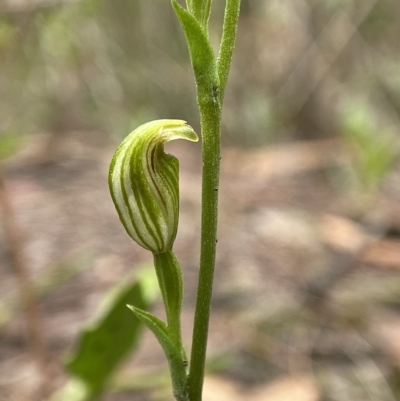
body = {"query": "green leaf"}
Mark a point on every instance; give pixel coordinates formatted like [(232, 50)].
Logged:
[(173, 354), (106, 342), (189, 5), (231, 18), (157, 326), (201, 54), (201, 10)]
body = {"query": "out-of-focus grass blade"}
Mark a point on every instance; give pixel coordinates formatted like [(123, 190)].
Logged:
[(47, 282), (108, 340)]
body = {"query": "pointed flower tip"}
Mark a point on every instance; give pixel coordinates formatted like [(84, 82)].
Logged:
[(176, 129), (144, 183)]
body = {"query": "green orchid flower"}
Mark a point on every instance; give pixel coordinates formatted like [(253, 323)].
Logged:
[(144, 183)]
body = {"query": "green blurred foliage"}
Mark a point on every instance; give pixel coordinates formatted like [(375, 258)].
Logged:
[(7, 34), (375, 149), (10, 143), (115, 333), (380, 21), (110, 66)]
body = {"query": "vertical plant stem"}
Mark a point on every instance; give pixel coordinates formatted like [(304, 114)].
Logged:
[(210, 116), (209, 99), (169, 277), (28, 298), (211, 79)]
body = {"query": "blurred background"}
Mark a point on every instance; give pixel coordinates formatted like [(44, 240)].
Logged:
[(307, 290)]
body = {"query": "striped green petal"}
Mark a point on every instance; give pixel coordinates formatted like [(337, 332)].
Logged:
[(144, 183)]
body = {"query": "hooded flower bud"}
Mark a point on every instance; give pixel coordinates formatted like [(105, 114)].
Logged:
[(144, 183)]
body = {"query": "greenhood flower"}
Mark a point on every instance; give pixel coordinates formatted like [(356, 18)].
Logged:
[(144, 183)]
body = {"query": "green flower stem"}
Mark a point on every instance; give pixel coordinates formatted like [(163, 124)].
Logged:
[(210, 113), (169, 277), (209, 99)]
